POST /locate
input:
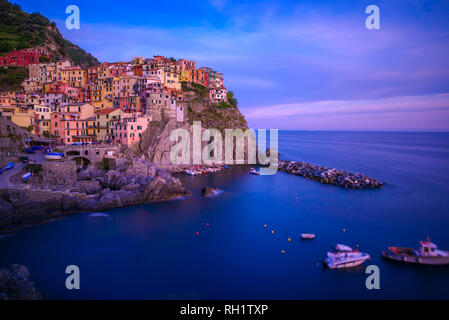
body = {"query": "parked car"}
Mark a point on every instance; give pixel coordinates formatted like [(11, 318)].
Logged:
[(25, 159)]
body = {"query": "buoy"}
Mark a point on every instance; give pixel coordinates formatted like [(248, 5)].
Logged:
[(289, 239), (264, 225), (272, 231), (197, 233), (282, 251)]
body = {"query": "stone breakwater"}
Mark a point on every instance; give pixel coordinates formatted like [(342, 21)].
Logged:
[(330, 175), (58, 189)]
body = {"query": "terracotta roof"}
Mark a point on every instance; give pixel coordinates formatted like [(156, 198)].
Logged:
[(106, 111)]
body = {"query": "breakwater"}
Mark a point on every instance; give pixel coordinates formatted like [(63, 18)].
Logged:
[(330, 175)]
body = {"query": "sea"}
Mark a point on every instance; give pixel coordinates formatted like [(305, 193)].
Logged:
[(244, 243)]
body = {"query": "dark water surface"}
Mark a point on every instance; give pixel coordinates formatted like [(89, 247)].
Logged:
[(152, 251)]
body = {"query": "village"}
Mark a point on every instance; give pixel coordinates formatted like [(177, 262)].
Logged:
[(108, 103)]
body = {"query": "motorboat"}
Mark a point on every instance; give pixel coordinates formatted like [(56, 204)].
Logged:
[(428, 253), (307, 236), (340, 260), (253, 171)]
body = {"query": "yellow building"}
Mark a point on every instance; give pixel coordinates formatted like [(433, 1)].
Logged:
[(101, 94), (171, 78), (23, 117), (184, 76), (85, 110), (105, 122), (74, 77)]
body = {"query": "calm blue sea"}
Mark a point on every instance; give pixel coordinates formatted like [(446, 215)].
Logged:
[(152, 251)]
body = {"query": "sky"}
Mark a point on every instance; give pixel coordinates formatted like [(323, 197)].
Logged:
[(299, 65)]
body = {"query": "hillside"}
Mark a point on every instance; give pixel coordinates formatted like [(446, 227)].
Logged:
[(20, 30)]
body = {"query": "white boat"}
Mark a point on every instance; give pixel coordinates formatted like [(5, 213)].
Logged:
[(307, 236), (26, 175), (192, 172), (341, 260), (253, 171), (428, 253), (54, 156), (343, 248)]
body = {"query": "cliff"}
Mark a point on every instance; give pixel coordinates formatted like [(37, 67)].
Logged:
[(24, 30), (155, 144)]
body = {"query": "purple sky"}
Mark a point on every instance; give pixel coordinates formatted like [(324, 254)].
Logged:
[(292, 64)]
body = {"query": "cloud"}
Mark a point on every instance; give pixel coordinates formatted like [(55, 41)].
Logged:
[(429, 112)]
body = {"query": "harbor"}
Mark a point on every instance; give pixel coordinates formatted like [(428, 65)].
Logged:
[(217, 247)]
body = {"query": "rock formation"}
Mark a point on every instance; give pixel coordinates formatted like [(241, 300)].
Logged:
[(15, 284)]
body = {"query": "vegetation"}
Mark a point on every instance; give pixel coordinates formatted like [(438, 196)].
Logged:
[(20, 30), (12, 77)]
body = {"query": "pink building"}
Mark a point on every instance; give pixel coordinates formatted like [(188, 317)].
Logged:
[(69, 128), (130, 129)]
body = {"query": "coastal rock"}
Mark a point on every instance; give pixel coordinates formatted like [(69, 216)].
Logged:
[(15, 284), (209, 191)]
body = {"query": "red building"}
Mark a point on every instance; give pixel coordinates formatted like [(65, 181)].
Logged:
[(22, 57)]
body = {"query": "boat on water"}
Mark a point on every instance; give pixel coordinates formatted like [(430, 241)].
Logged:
[(428, 253), (192, 172), (226, 167), (253, 171), (342, 248), (54, 155), (341, 260), (307, 236), (345, 257)]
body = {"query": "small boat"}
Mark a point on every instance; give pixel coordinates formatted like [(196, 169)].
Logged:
[(26, 176), (340, 260), (226, 167), (428, 253), (29, 151), (9, 166), (307, 236), (253, 171), (54, 155)]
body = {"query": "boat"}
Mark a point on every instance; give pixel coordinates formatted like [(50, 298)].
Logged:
[(26, 176), (31, 151), (54, 155), (428, 254), (9, 166), (226, 167), (340, 260), (192, 172), (342, 248), (307, 236), (253, 171)]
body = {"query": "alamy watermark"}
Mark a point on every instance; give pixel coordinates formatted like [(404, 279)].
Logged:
[(189, 147)]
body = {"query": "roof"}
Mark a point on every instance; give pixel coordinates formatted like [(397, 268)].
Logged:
[(106, 111)]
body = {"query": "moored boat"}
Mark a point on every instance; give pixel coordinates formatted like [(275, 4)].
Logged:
[(428, 254), (342, 248), (54, 155), (26, 176), (340, 260), (307, 236), (253, 171)]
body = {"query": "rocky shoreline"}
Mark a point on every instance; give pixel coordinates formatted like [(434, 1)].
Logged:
[(330, 175), (57, 189), (15, 284)]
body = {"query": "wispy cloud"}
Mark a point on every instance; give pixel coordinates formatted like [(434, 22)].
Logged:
[(429, 112)]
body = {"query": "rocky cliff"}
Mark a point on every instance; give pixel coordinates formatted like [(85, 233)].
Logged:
[(15, 284), (155, 144)]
